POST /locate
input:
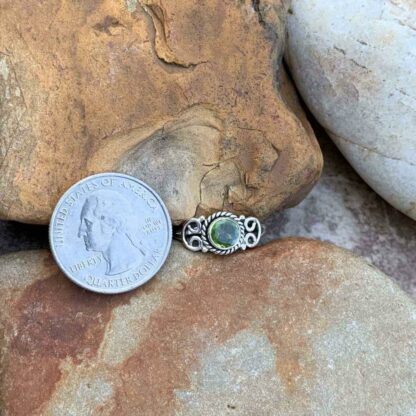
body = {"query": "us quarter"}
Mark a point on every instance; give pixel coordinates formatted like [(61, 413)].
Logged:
[(110, 233)]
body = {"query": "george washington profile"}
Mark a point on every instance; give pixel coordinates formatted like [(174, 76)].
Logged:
[(108, 225)]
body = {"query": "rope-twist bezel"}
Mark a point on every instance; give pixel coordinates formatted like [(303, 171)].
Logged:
[(205, 237)]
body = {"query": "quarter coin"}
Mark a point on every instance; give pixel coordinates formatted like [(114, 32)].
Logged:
[(110, 233)]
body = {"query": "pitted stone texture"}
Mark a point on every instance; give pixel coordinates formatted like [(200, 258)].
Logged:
[(185, 95), (295, 327), (353, 63)]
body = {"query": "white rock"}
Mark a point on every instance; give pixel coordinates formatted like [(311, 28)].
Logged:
[(355, 65)]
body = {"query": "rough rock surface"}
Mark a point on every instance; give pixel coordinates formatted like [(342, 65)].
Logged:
[(182, 94), (309, 329), (353, 63), (342, 209)]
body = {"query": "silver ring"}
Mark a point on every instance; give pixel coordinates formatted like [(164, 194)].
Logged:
[(221, 233)]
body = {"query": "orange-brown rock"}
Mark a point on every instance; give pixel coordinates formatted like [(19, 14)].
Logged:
[(185, 95), (296, 327)]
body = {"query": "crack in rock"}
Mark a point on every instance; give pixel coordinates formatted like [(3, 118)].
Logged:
[(371, 150), (161, 46)]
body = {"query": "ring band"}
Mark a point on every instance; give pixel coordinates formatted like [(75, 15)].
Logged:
[(221, 233)]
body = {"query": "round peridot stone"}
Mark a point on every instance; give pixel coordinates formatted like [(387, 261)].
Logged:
[(224, 233)]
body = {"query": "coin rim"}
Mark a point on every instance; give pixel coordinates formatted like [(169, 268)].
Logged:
[(122, 175)]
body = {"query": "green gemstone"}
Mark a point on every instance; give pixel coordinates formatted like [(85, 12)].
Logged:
[(224, 233)]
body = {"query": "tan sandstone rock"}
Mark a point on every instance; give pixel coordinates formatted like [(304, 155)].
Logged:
[(296, 327), (183, 94)]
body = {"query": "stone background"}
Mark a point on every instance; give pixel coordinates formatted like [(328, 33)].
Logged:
[(341, 209)]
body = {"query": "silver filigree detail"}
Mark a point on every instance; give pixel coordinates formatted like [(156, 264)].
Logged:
[(195, 233)]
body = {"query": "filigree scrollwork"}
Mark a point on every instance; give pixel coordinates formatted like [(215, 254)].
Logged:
[(252, 231), (191, 234), (221, 233)]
